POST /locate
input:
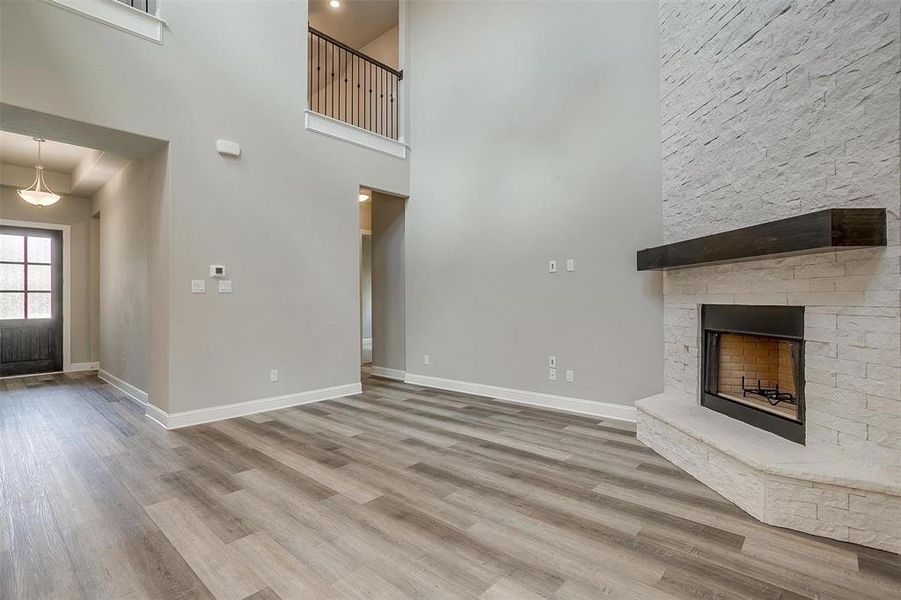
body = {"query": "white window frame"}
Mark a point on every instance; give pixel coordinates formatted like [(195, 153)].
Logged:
[(119, 15)]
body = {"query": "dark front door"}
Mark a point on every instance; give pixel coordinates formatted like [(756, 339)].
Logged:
[(31, 308)]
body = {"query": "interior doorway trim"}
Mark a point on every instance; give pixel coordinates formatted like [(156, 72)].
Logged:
[(67, 306)]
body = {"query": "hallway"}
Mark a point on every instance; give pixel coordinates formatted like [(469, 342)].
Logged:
[(401, 492)]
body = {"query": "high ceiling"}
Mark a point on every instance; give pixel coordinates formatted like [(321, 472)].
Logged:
[(355, 22), (21, 151)]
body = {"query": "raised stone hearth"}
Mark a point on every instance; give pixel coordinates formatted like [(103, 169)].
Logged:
[(776, 481)]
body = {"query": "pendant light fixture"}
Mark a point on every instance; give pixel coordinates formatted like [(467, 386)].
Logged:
[(38, 193)]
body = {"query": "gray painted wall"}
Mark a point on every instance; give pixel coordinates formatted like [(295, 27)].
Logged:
[(283, 217), (388, 282), (385, 47), (124, 205), (530, 176), (536, 135), (75, 212)]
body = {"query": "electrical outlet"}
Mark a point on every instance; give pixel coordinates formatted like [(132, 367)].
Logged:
[(570, 376), (425, 359), (570, 264), (552, 361), (225, 286), (552, 374), (273, 375), (198, 286), (552, 266)]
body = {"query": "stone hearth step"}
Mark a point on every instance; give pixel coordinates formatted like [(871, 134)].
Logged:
[(776, 481)]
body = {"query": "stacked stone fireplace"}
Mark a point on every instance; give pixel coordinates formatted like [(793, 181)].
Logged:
[(789, 108)]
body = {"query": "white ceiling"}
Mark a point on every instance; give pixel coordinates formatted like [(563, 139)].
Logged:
[(22, 151), (355, 22)]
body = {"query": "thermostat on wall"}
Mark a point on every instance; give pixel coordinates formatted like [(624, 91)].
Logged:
[(217, 271)]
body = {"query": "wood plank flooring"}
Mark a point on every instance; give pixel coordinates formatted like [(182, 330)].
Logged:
[(401, 492)]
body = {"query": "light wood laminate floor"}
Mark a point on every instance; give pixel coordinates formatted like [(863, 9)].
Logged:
[(400, 492)]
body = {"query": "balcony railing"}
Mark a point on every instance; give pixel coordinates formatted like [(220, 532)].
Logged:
[(147, 6), (347, 85)]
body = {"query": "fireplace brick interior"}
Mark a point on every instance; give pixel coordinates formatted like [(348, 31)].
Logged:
[(757, 359), (753, 366)]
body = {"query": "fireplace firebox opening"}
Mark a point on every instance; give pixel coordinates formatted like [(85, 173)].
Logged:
[(753, 366)]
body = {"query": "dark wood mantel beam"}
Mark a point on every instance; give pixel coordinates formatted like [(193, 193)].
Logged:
[(822, 231)]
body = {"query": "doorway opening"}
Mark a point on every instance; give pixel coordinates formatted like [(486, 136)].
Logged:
[(45, 272), (382, 284), (75, 273)]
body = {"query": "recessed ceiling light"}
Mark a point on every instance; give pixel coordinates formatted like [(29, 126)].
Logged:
[(334, 3), (363, 197)]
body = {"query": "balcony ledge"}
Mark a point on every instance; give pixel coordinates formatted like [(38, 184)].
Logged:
[(118, 15), (353, 134)]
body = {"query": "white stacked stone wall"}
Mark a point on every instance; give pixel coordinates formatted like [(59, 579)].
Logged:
[(773, 109)]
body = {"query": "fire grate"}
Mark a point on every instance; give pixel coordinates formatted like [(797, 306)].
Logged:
[(772, 395)]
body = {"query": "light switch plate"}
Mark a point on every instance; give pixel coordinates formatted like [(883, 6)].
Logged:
[(225, 286), (425, 359), (552, 266), (570, 264), (570, 376), (198, 286), (218, 271), (552, 361)]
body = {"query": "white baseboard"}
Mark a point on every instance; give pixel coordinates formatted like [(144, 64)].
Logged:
[(577, 406), (389, 373), (160, 417), (230, 411), (85, 366), (131, 391)]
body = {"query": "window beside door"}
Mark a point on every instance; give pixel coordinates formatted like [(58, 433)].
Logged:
[(26, 277)]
